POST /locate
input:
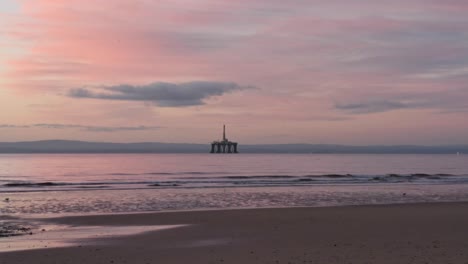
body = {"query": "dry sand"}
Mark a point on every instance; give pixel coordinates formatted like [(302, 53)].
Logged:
[(415, 233)]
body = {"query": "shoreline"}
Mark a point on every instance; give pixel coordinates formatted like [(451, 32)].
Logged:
[(300, 185), (390, 233), (85, 202), (45, 217)]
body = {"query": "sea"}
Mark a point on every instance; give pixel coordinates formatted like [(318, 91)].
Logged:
[(68, 184)]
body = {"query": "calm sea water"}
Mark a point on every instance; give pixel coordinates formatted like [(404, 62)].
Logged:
[(96, 183)]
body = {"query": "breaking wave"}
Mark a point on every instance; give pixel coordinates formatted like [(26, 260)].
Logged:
[(206, 181)]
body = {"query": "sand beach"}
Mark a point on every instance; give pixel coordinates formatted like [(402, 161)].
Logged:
[(410, 233)]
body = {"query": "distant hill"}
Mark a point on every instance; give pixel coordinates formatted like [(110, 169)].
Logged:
[(68, 146)]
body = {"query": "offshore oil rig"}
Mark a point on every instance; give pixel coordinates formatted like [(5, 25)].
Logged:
[(224, 146)]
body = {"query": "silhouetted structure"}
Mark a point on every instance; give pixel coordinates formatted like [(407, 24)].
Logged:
[(224, 146)]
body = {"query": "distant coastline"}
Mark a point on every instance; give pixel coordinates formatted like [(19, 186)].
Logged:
[(70, 146)]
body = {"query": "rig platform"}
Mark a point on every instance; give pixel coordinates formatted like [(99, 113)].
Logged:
[(224, 146)]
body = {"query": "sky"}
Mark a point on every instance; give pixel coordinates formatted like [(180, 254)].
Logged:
[(361, 72)]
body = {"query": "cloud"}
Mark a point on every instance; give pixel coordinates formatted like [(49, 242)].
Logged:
[(12, 126), (371, 106), (161, 93), (448, 101), (83, 127)]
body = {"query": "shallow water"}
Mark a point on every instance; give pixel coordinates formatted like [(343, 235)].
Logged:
[(47, 172), (92, 183), (53, 236)]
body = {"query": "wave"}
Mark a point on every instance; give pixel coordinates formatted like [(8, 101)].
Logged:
[(93, 187), (260, 177), (332, 175), (159, 173), (185, 173), (166, 173), (239, 181), (52, 184), (123, 174), (28, 184), (412, 177)]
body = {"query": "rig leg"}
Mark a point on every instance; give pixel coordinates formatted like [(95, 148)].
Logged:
[(212, 148)]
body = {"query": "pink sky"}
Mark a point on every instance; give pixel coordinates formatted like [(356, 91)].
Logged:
[(346, 72)]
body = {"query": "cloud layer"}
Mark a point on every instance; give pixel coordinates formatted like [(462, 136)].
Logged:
[(83, 127), (160, 93), (321, 68)]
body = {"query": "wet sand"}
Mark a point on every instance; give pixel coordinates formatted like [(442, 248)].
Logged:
[(412, 233)]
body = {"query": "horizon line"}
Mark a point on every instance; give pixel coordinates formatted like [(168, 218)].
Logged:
[(247, 144)]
